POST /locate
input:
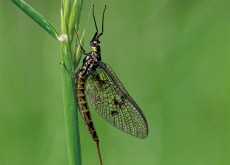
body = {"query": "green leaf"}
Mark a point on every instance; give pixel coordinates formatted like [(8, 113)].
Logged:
[(37, 17)]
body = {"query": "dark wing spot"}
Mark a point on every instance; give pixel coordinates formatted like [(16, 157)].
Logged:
[(113, 113), (103, 82), (118, 103)]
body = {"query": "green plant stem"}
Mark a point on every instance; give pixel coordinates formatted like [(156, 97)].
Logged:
[(70, 110), (69, 20)]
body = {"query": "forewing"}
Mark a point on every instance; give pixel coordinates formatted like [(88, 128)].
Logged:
[(111, 100)]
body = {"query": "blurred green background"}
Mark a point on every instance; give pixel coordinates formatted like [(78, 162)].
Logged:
[(172, 56)]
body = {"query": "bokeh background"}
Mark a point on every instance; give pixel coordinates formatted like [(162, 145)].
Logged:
[(172, 56)]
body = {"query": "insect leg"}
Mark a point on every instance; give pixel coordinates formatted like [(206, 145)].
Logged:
[(68, 70), (83, 50)]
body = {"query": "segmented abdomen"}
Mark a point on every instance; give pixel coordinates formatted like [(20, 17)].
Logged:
[(83, 106)]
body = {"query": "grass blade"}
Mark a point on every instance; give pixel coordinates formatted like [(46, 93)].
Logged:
[(37, 17)]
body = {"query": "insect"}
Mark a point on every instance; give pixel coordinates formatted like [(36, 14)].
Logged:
[(106, 93)]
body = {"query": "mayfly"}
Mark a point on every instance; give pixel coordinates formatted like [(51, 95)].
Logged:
[(106, 93)]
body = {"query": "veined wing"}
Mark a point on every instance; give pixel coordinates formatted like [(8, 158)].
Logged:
[(111, 100)]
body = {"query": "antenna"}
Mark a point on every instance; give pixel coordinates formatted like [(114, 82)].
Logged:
[(96, 36), (102, 24), (94, 19)]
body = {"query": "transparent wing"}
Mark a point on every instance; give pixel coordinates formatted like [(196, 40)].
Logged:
[(111, 100)]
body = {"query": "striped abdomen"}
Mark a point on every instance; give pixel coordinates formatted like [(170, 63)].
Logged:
[(84, 108)]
